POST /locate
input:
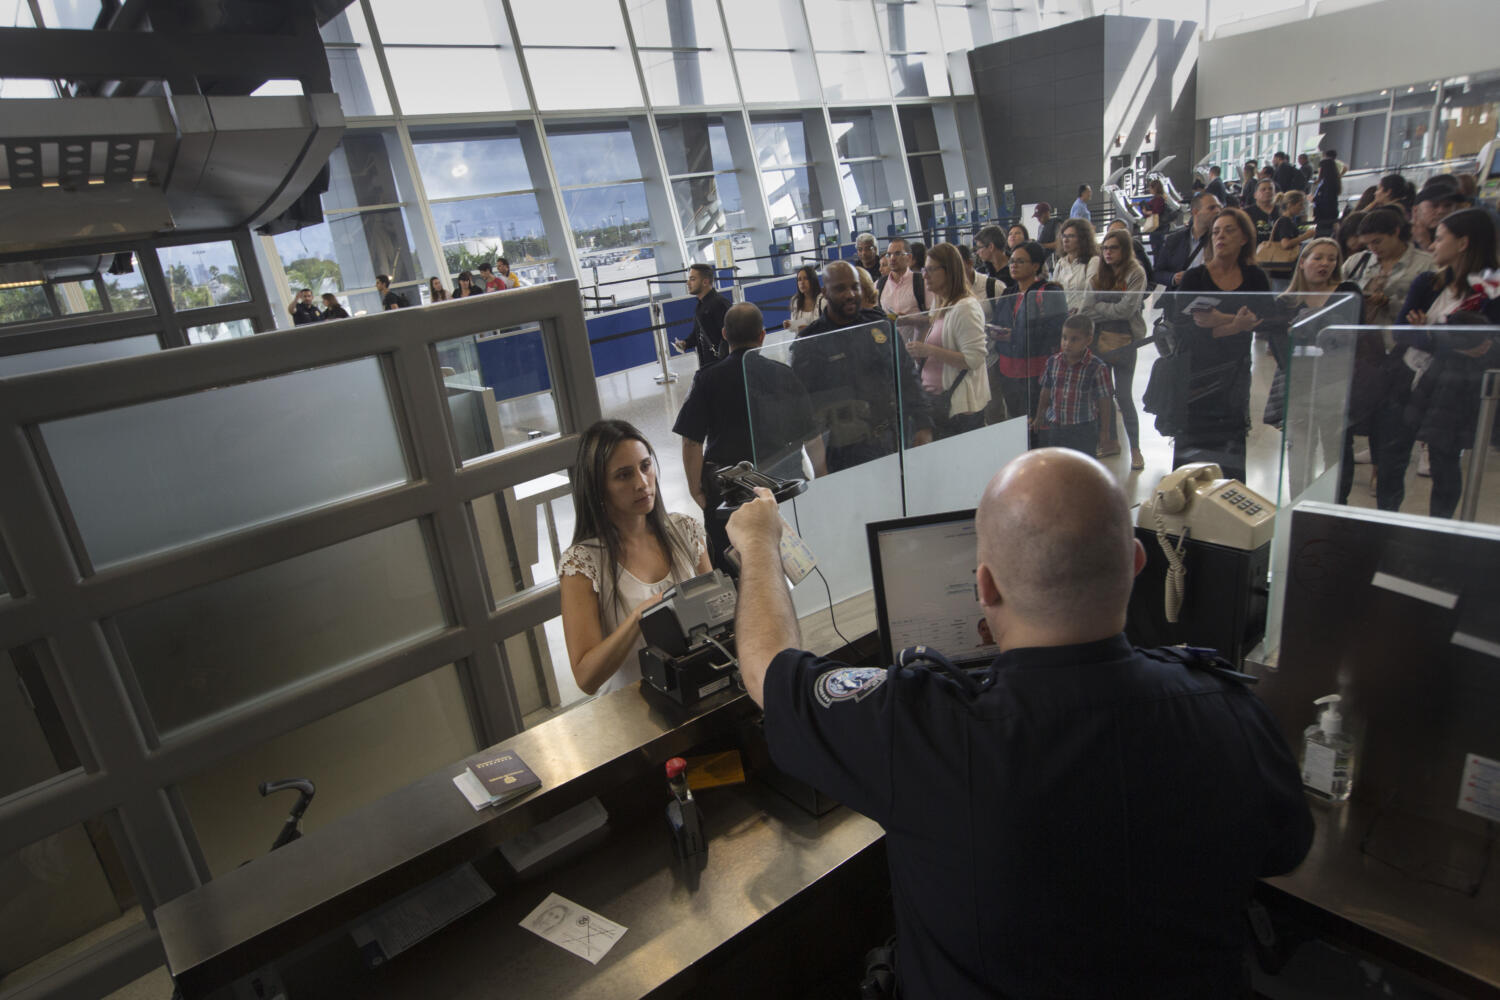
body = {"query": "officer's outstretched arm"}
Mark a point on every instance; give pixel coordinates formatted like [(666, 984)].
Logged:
[(764, 622)]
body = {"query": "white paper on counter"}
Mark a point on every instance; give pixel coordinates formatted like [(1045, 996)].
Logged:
[(574, 927)]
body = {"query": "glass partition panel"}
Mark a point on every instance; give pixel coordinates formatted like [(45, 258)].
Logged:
[(153, 476), (34, 743), (78, 354), (499, 390), (221, 645), (64, 893), (353, 757), (1390, 417), (831, 405)]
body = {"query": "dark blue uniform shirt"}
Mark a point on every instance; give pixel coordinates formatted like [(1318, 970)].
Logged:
[(1090, 825)]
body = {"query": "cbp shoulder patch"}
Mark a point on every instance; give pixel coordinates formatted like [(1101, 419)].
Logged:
[(878, 336), (847, 683)]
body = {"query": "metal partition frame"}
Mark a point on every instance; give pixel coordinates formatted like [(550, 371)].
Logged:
[(62, 606)]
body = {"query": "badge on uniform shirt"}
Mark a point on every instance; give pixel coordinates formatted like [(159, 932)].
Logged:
[(878, 336), (847, 683)]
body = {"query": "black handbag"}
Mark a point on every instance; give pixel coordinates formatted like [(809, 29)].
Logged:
[(942, 402), (1166, 395)]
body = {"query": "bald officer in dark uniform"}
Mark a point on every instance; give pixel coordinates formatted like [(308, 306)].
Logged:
[(1079, 819), (722, 424)]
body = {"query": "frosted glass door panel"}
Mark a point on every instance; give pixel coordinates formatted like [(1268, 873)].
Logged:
[(157, 475), (218, 646), (353, 756), (78, 354)]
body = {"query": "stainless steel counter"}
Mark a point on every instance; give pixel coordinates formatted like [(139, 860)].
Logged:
[(284, 900), (1439, 933), (763, 853)]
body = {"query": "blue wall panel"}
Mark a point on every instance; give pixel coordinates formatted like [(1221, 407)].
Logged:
[(515, 365), (773, 297), (613, 344)]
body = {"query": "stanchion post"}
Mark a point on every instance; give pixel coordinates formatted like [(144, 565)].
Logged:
[(663, 344)]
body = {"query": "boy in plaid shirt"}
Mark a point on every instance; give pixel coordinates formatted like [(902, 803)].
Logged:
[(1076, 402)]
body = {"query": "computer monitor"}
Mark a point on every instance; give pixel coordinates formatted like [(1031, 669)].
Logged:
[(923, 574)]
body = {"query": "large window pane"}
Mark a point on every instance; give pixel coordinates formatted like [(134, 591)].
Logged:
[(774, 24), (434, 81), (441, 22), (700, 76), (865, 184), (220, 646), (563, 76), (688, 78), (780, 143), (354, 757), (593, 157), (850, 76), (362, 172), (353, 66), (472, 166), (708, 205), (477, 229), (62, 893), (792, 194), (694, 144), (204, 274), (775, 77), (156, 475), (607, 217), (843, 24), (348, 251), (919, 75), (24, 305)]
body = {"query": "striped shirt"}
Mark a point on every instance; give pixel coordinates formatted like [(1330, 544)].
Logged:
[(1076, 388)]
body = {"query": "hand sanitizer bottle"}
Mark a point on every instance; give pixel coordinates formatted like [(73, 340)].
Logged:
[(1328, 754)]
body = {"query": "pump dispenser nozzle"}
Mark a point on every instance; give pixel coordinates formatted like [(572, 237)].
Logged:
[(1329, 720)]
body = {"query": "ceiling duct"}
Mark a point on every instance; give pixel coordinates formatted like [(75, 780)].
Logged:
[(159, 132)]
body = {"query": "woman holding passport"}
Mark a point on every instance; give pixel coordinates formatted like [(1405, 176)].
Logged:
[(1220, 303), (627, 551)]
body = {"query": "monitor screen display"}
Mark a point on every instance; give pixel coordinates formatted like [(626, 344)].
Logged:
[(923, 574)]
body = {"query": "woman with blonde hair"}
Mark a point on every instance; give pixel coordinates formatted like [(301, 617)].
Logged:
[(1116, 300), (1077, 260), (953, 353)]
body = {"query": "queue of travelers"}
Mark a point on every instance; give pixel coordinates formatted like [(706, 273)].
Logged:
[(1053, 340)]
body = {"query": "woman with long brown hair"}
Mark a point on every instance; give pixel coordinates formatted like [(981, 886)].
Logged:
[(626, 552), (1116, 301), (952, 354)]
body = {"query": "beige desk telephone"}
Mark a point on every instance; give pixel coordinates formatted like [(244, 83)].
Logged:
[(1197, 502)]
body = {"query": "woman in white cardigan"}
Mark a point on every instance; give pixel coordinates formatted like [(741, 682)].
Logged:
[(1077, 260), (955, 343)]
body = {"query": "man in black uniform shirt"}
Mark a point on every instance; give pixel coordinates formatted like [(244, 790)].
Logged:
[(303, 310), (852, 378), (715, 421), (1081, 819), (708, 316)]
